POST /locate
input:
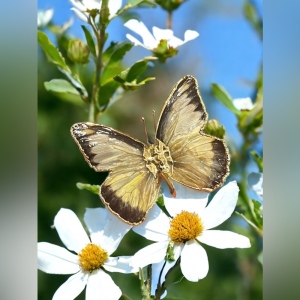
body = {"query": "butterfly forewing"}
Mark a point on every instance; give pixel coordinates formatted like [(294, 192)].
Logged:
[(200, 161), (130, 190)]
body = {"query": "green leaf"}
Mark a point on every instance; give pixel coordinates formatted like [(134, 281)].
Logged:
[(52, 52), (136, 70), (106, 92), (89, 187), (252, 16), (89, 40), (114, 65), (64, 90), (60, 86), (222, 95), (129, 77)]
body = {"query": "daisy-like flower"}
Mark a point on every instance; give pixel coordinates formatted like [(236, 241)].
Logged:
[(243, 103), (162, 42), (190, 226), (92, 254), (83, 8)]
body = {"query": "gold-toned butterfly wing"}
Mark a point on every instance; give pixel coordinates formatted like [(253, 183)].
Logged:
[(129, 190), (200, 161)]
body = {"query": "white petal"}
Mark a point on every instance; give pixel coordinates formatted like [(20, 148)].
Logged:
[(101, 286), (72, 287), (78, 4), (114, 6), (153, 253), (194, 261), (120, 264), (114, 231), (243, 103), (56, 260), (156, 226), (255, 181), (70, 230), (162, 34), (140, 28), (94, 218), (190, 35), (82, 16), (224, 239), (93, 4), (135, 41), (186, 199), (175, 42), (221, 206)]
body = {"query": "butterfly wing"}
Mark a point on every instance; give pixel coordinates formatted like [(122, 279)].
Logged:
[(200, 161), (129, 190)]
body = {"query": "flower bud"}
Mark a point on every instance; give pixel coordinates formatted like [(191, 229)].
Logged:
[(78, 51), (169, 5), (214, 128)]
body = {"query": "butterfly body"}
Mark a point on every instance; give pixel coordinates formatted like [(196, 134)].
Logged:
[(181, 152)]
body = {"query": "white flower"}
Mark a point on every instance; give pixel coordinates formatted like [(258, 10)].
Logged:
[(44, 17), (199, 218), (243, 103), (255, 182), (81, 7), (150, 41), (106, 232)]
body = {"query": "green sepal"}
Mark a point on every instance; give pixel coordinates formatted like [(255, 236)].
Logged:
[(163, 51), (252, 121), (89, 187), (52, 52), (89, 40), (223, 96)]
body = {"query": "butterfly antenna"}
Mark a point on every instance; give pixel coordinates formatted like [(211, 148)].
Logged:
[(145, 129), (154, 120)]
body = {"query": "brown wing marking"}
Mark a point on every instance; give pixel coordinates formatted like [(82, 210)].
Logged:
[(130, 194)]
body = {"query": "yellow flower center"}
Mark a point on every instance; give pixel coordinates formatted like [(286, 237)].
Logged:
[(184, 227), (92, 257)]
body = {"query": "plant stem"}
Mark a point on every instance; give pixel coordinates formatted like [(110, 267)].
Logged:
[(169, 20), (101, 39)]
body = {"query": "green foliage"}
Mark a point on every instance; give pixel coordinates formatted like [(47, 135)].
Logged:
[(52, 52)]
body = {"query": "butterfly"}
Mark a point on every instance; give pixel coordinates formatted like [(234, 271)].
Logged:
[(181, 152)]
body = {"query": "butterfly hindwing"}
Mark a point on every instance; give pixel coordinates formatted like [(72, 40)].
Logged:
[(129, 190), (200, 161)]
